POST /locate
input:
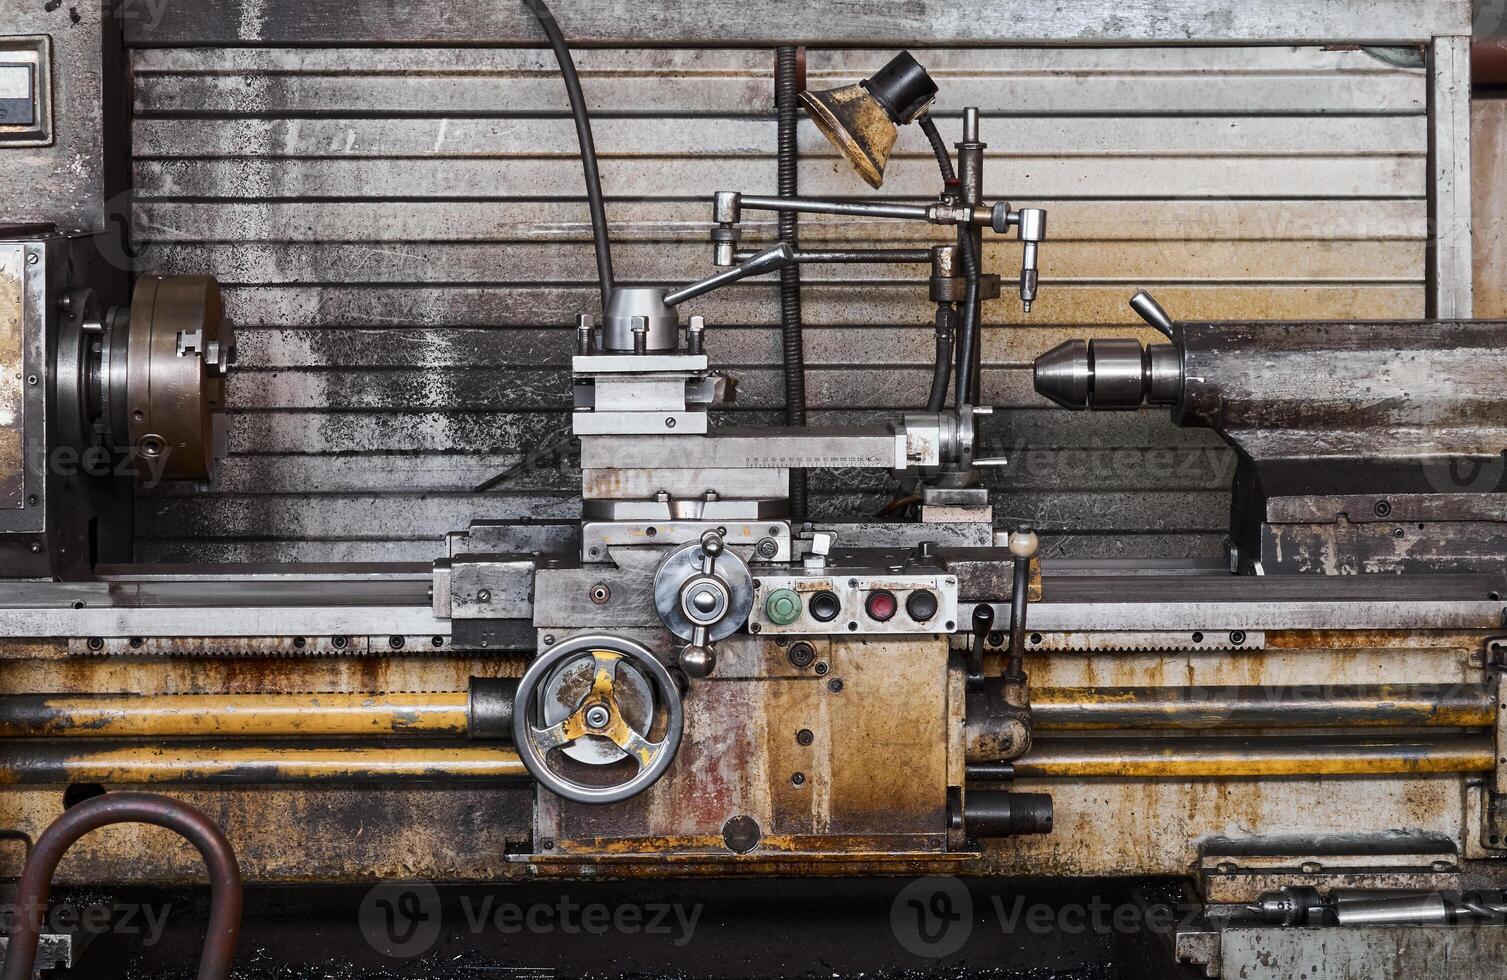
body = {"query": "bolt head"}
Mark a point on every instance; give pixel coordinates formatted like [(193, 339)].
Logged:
[(597, 716)]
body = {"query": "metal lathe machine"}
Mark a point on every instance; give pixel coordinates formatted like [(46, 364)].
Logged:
[(700, 674)]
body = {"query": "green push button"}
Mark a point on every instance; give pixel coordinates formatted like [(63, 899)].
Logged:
[(783, 607)]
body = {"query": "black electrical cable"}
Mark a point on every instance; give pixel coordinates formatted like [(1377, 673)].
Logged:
[(786, 101), (588, 145), (964, 332)]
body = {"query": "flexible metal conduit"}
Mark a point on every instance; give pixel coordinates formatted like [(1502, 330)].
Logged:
[(112, 808)]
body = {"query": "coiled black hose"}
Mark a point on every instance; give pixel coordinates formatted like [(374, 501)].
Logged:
[(967, 338), (787, 105), (588, 145)]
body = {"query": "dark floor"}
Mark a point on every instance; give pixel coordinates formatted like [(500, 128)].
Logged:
[(1081, 930)]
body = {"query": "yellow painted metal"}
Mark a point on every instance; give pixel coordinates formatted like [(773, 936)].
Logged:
[(1183, 758), (234, 715)]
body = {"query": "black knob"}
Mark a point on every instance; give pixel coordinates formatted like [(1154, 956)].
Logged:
[(824, 606), (921, 605), (983, 622)]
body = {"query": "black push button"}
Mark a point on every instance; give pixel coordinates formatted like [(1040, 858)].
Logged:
[(824, 607), (921, 606)]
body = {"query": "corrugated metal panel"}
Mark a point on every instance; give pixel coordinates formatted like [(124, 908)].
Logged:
[(404, 243)]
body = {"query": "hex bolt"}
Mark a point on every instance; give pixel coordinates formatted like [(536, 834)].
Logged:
[(695, 336), (640, 335)]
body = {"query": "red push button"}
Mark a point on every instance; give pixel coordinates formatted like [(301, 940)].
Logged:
[(881, 606)]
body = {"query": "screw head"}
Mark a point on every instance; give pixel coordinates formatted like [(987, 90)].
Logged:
[(799, 779), (485, 595), (835, 685), (597, 716), (805, 736), (1383, 508)]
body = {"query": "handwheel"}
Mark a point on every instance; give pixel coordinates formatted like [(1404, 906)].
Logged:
[(590, 703)]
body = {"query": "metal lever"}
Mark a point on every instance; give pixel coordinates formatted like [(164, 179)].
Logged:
[(770, 260), (1151, 311), (1023, 545), (983, 623), (698, 658)]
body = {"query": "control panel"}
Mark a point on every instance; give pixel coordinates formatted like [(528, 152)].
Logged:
[(854, 601)]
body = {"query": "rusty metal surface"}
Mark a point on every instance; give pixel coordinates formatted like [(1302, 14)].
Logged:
[(312, 833), (1266, 756), (234, 715), (59, 762), (12, 378), (1489, 186), (870, 778), (1338, 706)]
